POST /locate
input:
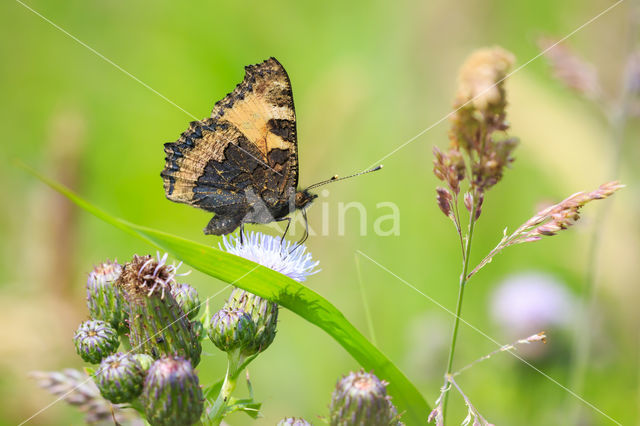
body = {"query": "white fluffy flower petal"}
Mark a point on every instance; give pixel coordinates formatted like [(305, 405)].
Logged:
[(268, 251)]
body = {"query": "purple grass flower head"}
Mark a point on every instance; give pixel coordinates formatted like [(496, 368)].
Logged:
[(268, 251), (78, 390), (95, 340), (120, 378), (172, 395)]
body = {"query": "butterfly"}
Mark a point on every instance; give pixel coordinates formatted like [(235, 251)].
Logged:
[(241, 163)]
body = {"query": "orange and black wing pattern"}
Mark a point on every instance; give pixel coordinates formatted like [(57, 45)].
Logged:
[(245, 154)]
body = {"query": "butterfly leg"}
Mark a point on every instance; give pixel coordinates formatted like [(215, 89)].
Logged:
[(242, 234), (306, 231), (288, 219)]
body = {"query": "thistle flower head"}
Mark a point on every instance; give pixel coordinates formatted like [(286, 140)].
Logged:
[(104, 299), (120, 378), (158, 325), (232, 329), (146, 275), (172, 395), (531, 301), (360, 399), (95, 340), (187, 298), (270, 252)]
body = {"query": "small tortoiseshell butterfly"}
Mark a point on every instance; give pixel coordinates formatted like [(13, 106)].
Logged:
[(242, 162)]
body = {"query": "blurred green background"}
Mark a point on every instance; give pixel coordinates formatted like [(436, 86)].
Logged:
[(367, 77)]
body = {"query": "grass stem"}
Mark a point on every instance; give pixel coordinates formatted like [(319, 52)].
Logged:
[(456, 324)]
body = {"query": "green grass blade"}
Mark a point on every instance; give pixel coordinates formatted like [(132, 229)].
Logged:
[(279, 288)]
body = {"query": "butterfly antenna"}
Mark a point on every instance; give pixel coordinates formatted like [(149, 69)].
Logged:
[(336, 178)]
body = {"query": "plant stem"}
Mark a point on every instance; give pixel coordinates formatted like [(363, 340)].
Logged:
[(618, 119), (582, 344), (456, 324), (234, 367)]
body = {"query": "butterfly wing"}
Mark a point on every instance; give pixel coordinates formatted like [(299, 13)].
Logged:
[(244, 155)]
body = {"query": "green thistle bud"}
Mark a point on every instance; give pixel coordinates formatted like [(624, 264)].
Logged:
[(263, 313), (104, 299), (171, 393), (145, 361), (361, 399), (293, 421), (157, 324), (95, 340), (120, 378), (232, 329), (187, 298)]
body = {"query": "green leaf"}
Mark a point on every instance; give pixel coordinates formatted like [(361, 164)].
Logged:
[(279, 288), (249, 406)]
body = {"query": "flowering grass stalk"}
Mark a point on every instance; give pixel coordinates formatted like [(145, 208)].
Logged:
[(479, 152)]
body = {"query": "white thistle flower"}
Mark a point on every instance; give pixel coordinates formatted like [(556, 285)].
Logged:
[(268, 251)]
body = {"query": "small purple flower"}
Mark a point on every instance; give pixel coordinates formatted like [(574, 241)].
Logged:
[(530, 302)]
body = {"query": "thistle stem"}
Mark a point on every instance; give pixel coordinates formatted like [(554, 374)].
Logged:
[(234, 367), (456, 324)]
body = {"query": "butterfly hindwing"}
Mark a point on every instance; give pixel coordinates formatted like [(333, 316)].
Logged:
[(242, 162)]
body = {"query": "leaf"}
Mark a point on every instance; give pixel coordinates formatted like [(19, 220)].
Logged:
[(276, 287), (249, 406)]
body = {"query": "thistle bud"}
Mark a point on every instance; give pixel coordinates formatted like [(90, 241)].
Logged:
[(187, 298), (232, 329), (95, 340), (293, 421), (263, 313), (171, 393), (145, 361), (104, 299), (360, 399), (157, 324), (120, 378)]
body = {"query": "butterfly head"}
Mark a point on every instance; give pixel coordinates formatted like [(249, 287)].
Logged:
[(304, 198)]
